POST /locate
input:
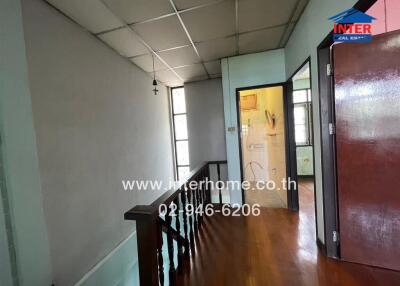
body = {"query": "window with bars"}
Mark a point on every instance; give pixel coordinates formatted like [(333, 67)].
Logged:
[(179, 118), (302, 117)]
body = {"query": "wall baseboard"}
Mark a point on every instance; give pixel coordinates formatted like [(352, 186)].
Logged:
[(305, 176), (116, 267)]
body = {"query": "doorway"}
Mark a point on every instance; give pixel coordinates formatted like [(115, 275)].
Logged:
[(262, 122), (304, 136)]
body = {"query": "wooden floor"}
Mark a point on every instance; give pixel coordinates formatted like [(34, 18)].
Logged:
[(265, 198), (276, 248)]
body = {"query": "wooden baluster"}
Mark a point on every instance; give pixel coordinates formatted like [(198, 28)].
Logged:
[(160, 255), (205, 185), (170, 242), (185, 223), (199, 203), (178, 230), (209, 190), (219, 179), (195, 217), (200, 191), (201, 182), (190, 202)]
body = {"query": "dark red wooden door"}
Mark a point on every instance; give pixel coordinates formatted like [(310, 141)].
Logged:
[(367, 102)]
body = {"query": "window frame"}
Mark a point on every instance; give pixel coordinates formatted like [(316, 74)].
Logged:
[(173, 114), (308, 119)]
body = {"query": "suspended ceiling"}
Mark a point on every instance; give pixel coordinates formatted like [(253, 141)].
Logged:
[(187, 38)]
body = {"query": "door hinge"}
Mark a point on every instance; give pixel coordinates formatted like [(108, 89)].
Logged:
[(332, 128), (335, 236), (329, 70)]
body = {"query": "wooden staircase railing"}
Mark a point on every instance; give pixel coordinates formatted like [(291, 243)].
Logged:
[(150, 225)]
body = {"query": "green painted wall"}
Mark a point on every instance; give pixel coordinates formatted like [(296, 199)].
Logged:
[(19, 150), (6, 274), (305, 161), (311, 29)]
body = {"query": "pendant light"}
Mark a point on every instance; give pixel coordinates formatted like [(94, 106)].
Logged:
[(155, 90)]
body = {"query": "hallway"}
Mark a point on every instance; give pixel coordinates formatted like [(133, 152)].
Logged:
[(276, 248), (129, 128)]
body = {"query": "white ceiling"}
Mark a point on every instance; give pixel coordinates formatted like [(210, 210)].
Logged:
[(186, 37)]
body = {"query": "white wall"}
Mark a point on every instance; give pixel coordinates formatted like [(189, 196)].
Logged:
[(311, 29), (244, 71), (97, 122), (205, 115)]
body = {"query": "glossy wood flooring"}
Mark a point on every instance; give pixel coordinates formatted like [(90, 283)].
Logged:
[(276, 248)]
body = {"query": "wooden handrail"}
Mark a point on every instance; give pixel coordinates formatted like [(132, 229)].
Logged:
[(150, 226), (170, 195)]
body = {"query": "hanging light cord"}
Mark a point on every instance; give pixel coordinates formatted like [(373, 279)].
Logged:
[(154, 70), (155, 90)]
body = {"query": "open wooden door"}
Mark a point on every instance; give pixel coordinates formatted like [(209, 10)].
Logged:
[(367, 108)]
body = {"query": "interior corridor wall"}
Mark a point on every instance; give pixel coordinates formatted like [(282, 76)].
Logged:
[(97, 122), (312, 27), (205, 119), (22, 222), (245, 71), (6, 274)]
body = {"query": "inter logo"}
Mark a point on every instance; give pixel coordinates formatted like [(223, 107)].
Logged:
[(352, 26)]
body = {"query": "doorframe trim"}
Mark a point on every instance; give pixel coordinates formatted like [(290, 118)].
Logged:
[(290, 81), (290, 146)]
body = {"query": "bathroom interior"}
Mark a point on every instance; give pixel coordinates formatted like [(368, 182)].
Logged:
[(263, 144)]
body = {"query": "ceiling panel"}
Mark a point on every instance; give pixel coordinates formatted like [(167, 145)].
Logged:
[(180, 56), (145, 62), (133, 11), (185, 4), (261, 40), (125, 42), (191, 73), (91, 14), (163, 34), (211, 22), (216, 49), (168, 78), (258, 14), (213, 67)]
